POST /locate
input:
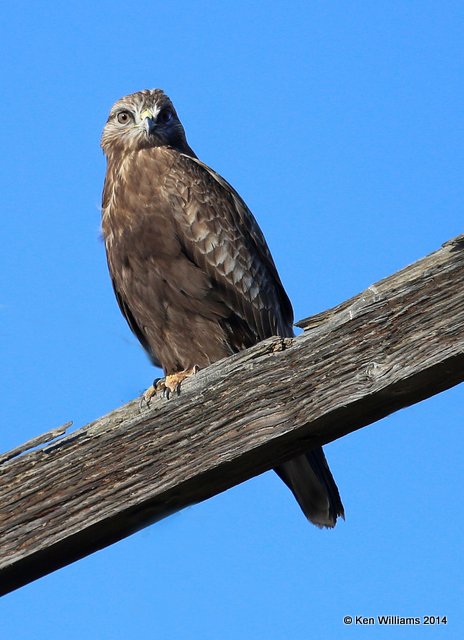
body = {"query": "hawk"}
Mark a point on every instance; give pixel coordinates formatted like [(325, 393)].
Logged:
[(190, 267)]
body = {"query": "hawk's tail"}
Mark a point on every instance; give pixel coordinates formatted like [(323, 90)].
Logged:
[(309, 478)]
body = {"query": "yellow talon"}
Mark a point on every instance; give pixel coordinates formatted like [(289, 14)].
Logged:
[(167, 386)]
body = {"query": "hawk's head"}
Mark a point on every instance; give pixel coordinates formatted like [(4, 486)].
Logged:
[(141, 120)]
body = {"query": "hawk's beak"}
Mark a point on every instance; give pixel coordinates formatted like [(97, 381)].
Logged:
[(148, 121), (150, 125)]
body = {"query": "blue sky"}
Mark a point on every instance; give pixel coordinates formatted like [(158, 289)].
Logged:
[(341, 126)]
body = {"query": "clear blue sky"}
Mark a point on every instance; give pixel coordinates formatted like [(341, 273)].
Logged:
[(341, 124)]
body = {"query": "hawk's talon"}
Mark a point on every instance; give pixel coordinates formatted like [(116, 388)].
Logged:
[(168, 386), (146, 397)]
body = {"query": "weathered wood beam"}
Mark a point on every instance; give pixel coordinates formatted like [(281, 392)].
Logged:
[(400, 341)]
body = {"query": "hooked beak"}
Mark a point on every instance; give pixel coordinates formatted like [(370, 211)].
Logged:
[(148, 122)]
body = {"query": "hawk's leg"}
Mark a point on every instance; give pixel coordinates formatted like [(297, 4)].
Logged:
[(167, 386)]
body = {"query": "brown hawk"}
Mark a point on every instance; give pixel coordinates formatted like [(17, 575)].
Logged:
[(190, 267)]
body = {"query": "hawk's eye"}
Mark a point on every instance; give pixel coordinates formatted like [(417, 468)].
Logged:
[(123, 117), (165, 116)]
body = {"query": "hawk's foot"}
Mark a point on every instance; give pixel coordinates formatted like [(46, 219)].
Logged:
[(171, 384), (168, 386)]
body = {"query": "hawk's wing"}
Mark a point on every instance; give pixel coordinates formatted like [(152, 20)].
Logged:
[(220, 235), (131, 321)]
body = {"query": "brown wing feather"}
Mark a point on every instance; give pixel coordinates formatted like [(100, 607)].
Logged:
[(131, 321), (219, 234)]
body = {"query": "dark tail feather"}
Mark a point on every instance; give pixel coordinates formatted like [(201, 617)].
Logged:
[(311, 482)]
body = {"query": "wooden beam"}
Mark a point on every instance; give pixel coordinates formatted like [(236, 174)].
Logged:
[(398, 342)]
